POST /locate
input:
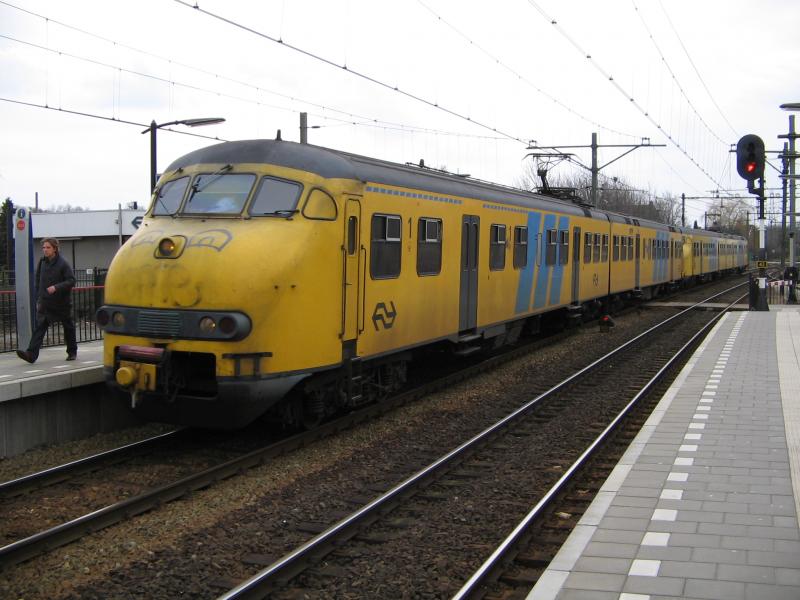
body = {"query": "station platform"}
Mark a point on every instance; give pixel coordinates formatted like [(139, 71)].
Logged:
[(51, 372), (54, 400), (705, 502)]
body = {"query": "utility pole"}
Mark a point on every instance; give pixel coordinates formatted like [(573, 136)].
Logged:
[(594, 169), (303, 128), (791, 157), (683, 210)]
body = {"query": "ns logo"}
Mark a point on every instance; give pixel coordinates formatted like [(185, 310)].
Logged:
[(383, 316)]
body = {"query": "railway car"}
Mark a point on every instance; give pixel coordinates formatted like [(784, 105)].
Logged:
[(287, 281)]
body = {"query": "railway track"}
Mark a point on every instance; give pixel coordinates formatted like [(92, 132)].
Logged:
[(136, 501), (137, 505), (311, 569)]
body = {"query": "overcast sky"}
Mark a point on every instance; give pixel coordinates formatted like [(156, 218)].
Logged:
[(482, 80)]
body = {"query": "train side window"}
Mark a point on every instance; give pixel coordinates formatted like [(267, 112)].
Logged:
[(520, 247), (598, 244), (604, 256), (563, 250), (386, 247), (429, 246), (587, 247), (320, 206), (278, 197), (168, 196), (552, 244), (615, 256), (630, 248), (497, 248)]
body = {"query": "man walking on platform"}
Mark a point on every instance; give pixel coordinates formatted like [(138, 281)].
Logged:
[(54, 282)]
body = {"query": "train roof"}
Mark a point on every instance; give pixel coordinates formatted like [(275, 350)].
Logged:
[(330, 163)]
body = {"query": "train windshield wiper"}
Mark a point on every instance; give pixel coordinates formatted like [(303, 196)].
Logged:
[(284, 212), (211, 179)]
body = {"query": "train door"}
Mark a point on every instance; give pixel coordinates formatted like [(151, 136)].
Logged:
[(468, 294), (352, 250), (576, 265), (636, 261)]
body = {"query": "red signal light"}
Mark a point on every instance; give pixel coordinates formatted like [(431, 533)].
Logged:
[(750, 166)]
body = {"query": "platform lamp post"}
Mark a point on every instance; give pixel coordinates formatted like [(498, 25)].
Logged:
[(791, 176), (156, 126)]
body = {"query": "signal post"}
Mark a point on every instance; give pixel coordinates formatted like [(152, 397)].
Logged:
[(750, 159)]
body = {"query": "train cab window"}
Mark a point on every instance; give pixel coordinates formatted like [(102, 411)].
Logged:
[(168, 196), (563, 250), (497, 248), (277, 197), (604, 256), (429, 246), (598, 246), (587, 247), (520, 247), (319, 206), (385, 249), (219, 193)]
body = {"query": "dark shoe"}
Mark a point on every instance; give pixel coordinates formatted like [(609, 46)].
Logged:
[(26, 356), (72, 356)]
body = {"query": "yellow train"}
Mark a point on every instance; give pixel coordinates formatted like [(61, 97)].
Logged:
[(270, 278)]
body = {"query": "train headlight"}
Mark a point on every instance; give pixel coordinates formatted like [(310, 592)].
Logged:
[(102, 317), (118, 319), (167, 247), (227, 325), (207, 325)]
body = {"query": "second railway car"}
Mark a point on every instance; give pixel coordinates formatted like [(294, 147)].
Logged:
[(293, 281)]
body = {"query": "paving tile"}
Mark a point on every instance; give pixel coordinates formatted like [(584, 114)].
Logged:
[(773, 559), (595, 581), (592, 564), (720, 555), (610, 550), (770, 592), (654, 585), (746, 574), (688, 570)]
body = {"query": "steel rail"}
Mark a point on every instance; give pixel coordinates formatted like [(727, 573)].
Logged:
[(480, 577), (40, 479), (259, 585)]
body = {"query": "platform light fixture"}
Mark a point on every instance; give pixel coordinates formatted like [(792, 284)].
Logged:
[(156, 126)]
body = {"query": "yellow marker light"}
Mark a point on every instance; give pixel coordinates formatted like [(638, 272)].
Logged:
[(126, 376), (166, 247), (207, 325)]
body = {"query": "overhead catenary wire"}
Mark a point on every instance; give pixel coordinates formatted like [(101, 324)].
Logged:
[(79, 113), (359, 74), (697, 72), (521, 77), (366, 120), (672, 73), (633, 102)]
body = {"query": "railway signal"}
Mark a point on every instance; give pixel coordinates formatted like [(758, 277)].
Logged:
[(750, 157)]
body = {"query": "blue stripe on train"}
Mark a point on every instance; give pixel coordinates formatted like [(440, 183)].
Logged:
[(540, 294), (526, 275)]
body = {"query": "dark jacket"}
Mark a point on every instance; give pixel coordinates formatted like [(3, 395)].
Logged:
[(55, 272)]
